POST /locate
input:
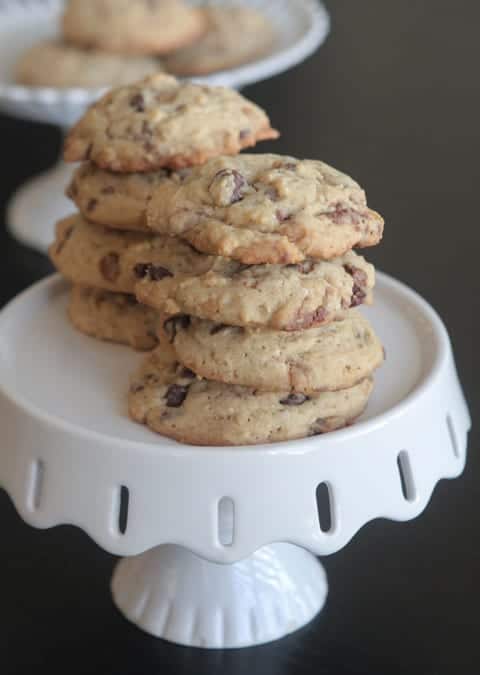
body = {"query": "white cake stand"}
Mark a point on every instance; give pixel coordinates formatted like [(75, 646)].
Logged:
[(203, 524), (302, 26)]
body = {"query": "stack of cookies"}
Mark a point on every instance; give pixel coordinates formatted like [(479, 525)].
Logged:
[(114, 42), (242, 267), (134, 140)]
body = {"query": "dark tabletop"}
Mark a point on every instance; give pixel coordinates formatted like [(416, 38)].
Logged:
[(393, 99)]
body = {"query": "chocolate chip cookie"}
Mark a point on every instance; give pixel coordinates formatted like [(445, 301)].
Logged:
[(173, 402), (161, 122), (115, 317), (332, 357), (114, 260), (56, 64), (235, 36), (117, 200), (266, 209), (132, 26), (283, 297)]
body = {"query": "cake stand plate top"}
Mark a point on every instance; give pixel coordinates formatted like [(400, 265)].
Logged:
[(70, 454), (301, 27)]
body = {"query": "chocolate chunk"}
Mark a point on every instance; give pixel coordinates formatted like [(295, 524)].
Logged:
[(305, 267), (186, 372), (294, 399), (108, 190), (176, 394), (244, 133), (181, 108), (137, 102), (92, 204), (234, 183), (110, 267), (289, 166), (153, 272), (172, 325)]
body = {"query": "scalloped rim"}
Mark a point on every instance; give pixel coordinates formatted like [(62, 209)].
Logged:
[(236, 77)]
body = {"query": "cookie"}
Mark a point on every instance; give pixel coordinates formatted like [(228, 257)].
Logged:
[(235, 36), (113, 260), (283, 297), (132, 26), (117, 200), (115, 317), (266, 209), (161, 122), (173, 402), (332, 357), (56, 64)]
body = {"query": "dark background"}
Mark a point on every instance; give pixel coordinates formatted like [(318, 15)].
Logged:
[(392, 98)]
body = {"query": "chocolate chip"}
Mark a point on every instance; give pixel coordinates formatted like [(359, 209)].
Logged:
[(92, 204), (233, 181), (108, 190), (172, 325), (294, 399), (272, 193), (137, 102), (360, 281), (282, 215), (244, 133), (218, 328), (109, 267), (186, 372), (307, 320), (289, 166), (318, 427), (180, 108), (176, 394), (153, 272), (343, 215)]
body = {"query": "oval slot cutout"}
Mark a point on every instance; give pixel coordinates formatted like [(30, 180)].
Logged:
[(406, 476), (37, 478), (123, 505), (453, 437), (324, 507), (226, 521)]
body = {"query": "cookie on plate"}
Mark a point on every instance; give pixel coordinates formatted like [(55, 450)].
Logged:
[(266, 209), (132, 26), (115, 317), (161, 122), (173, 402), (235, 36), (56, 64), (283, 297), (332, 357), (114, 260), (116, 200)]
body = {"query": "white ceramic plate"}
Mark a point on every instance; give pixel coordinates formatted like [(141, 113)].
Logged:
[(301, 26)]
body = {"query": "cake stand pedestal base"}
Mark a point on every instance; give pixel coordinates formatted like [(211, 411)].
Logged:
[(173, 594)]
